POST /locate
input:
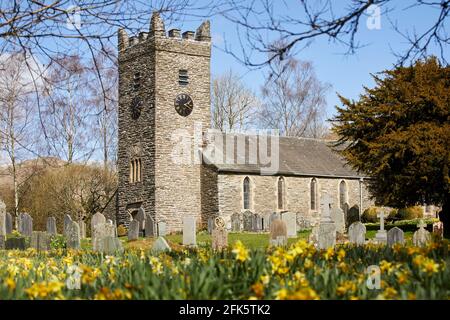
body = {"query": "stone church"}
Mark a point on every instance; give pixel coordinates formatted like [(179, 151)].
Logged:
[(164, 107)]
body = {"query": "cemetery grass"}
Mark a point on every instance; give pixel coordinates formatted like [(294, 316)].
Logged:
[(299, 271)]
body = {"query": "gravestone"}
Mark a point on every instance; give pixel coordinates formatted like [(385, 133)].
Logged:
[(353, 215), (26, 224), (2, 222), (266, 221), (82, 225), (278, 233), (381, 235), (160, 245), (395, 235), (40, 240), (101, 230), (219, 235), (235, 222), (67, 222), (337, 215), (15, 244), (110, 245), (73, 236), (2, 242), (290, 218), (97, 218), (150, 227), (51, 226), (140, 217), (247, 218), (189, 231), (133, 230), (421, 237), (357, 233), (162, 229), (326, 230), (438, 229), (9, 223), (210, 224)]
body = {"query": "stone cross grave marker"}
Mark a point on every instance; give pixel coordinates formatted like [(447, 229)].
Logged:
[(51, 226), (278, 233), (290, 218), (421, 236), (381, 235), (189, 231), (357, 233), (395, 235), (133, 230), (73, 235), (219, 235), (150, 227)]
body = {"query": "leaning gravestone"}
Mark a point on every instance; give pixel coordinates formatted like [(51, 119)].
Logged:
[(40, 240), (189, 232), (73, 236), (162, 229), (381, 235), (326, 232), (101, 230), (26, 225), (97, 219), (357, 233), (337, 215), (160, 245), (421, 237), (51, 226), (438, 229), (235, 222), (141, 216), (66, 224), (109, 245), (133, 230), (9, 223), (290, 218), (247, 218), (219, 235), (395, 235), (150, 227), (278, 233)]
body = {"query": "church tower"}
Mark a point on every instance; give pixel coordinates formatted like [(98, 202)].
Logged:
[(164, 100)]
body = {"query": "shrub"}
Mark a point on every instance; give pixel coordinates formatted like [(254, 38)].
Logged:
[(121, 231), (58, 242), (410, 213), (369, 215)]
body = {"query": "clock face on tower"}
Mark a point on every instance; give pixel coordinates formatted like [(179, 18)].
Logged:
[(136, 107), (184, 104)]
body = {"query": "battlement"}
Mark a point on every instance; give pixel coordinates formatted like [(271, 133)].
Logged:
[(157, 30)]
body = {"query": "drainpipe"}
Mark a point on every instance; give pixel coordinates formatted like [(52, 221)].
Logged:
[(361, 181)]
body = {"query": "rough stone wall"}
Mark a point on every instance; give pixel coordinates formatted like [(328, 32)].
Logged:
[(209, 192), (263, 190), (168, 190)]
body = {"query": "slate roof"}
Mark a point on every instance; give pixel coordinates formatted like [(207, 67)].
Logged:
[(297, 156)]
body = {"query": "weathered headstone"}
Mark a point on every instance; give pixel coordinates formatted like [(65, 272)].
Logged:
[(40, 240), (337, 215), (162, 229), (395, 235), (110, 245), (9, 223), (15, 243), (101, 230), (141, 216), (160, 245), (26, 225), (51, 226), (381, 235), (266, 222), (278, 233), (326, 231), (219, 234), (236, 222), (438, 229), (82, 225), (133, 230), (189, 231), (97, 218), (73, 235), (290, 218), (150, 227), (421, 237), (357, 233), (353, 215), (247, 218), (2, 221), (66, 224)]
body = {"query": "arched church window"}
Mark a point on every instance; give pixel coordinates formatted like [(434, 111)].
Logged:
[(313, 188), (281, 193), (246, 190), (342, 194), (135, 170)]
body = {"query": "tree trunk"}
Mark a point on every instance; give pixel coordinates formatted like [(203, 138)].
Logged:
[(444, 216)]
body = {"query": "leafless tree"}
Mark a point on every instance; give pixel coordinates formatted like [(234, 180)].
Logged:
[(17, 130), (277, 29), (233, 104), (294, 100)]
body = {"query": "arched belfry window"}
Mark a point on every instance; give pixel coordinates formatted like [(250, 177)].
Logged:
[(135, 170), (246, 191), (313, 188), (342, 194), (281, 193)]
